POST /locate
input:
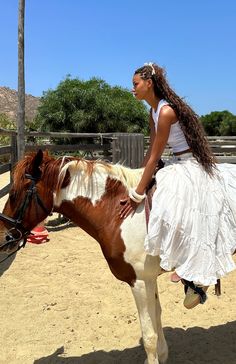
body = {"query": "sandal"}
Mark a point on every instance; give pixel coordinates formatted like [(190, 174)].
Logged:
[(194, 294)]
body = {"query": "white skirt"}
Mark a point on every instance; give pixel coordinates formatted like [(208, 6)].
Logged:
[(192, 225)]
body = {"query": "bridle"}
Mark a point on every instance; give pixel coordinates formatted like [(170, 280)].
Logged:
[(17, 232)]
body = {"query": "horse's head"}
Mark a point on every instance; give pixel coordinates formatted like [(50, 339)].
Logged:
[(30, 201)]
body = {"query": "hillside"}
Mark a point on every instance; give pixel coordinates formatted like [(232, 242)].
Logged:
[(8, 104)]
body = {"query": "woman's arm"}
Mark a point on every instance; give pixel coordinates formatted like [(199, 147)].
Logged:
[(166, 118), (152, 137), (163, 130)]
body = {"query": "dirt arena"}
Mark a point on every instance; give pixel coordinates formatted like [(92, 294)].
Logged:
[(60, 304)]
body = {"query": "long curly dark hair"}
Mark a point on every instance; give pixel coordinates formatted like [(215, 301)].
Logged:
[(188, 119)]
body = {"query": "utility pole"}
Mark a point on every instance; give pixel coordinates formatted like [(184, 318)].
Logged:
[(21, 82)]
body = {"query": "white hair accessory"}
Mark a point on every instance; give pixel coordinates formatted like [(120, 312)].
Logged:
[(151, 65)]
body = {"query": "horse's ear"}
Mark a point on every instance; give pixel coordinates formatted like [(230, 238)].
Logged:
[(35, 165)]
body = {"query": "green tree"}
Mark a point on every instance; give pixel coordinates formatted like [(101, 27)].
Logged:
[(91, 106), (8, 124), (219, 123), (228, 126)]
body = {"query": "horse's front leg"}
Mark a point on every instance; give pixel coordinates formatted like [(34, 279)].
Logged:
[(162, 348), (148, 304)]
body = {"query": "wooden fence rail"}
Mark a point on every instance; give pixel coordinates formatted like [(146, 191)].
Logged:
[(114, 147), (125, 148), (223, 147)]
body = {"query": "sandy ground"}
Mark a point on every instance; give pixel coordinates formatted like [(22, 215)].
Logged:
[(60, 304)]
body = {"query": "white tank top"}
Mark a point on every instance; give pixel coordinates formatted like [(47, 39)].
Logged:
[(176, 139)]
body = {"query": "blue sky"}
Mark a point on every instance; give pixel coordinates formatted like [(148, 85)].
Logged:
[(194, 40)]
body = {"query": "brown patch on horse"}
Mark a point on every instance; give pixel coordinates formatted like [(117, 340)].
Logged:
[(103, 223)]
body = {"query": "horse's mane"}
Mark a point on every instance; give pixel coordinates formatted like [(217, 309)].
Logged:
[(127, 176), (54, 170)]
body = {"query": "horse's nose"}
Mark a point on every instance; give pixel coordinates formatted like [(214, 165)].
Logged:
[(4, 246), (8, 246), (2, 235), (9, 241), (2, 238)]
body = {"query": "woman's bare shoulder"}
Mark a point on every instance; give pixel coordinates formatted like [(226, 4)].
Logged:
[(167, 112)]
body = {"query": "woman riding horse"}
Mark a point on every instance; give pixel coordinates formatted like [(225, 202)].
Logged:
[(192, 227)]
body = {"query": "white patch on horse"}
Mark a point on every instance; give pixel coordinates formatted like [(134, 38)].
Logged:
[(92, 184), (134, 244), (82, 185)]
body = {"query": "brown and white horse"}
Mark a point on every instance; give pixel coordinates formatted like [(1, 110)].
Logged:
[(89, 193)]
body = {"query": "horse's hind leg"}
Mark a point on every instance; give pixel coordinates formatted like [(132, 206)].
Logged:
[(147, 301)]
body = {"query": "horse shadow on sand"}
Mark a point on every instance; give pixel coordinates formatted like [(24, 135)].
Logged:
[(192, 346), (5, 262)]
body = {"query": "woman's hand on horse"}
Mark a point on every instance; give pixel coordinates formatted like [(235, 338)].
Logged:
[(128, 207)]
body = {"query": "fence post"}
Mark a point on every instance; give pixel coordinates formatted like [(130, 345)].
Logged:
[(115, 149), (128, 149)]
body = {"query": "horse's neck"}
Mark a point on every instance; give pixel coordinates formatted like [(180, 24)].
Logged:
[(92, 204), (91, 196)]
